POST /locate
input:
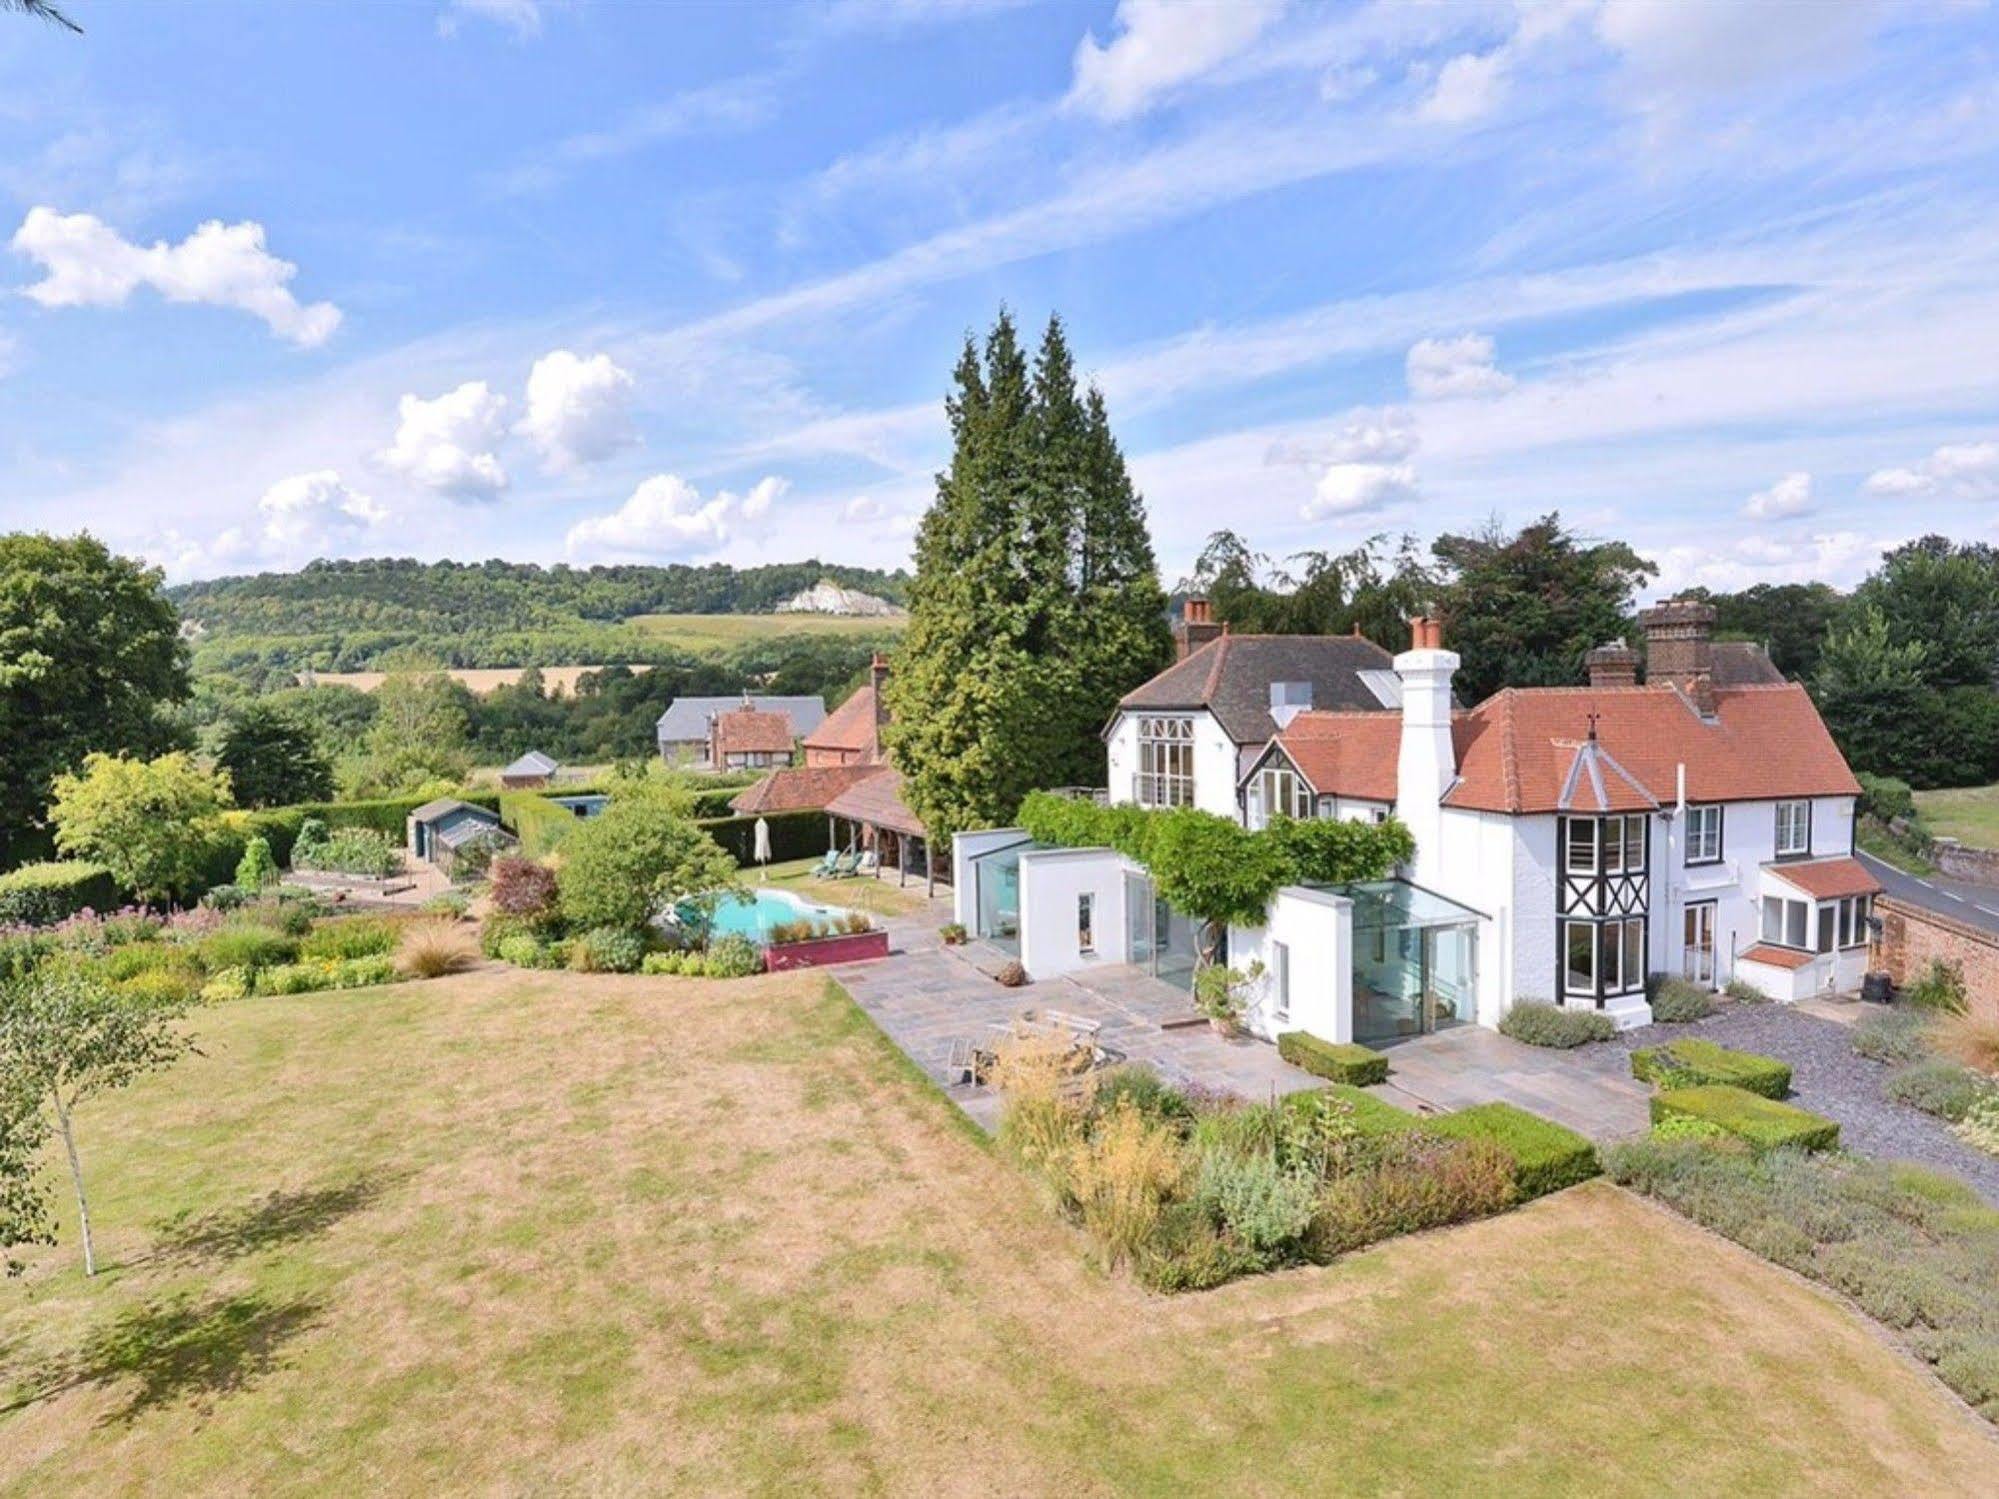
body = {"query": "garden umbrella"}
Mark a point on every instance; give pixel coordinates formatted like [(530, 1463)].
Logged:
[(762, 854)]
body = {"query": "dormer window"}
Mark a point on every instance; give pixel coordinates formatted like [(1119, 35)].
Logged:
[(1794, 829)]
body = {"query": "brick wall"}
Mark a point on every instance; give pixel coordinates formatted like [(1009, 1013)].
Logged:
[(1913, 937), (1978, 865)]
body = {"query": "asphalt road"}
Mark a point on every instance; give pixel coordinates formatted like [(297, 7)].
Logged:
[(1975, 905)]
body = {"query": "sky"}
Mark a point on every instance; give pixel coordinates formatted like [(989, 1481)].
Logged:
[(572, 280)]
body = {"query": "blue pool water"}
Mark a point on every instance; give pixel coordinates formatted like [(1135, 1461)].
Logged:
[(753, 916)]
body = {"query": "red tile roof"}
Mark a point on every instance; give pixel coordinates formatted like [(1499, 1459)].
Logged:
[(1529, 750), (877, 799), (1827, 879), (800, 789), (1776, 957), (849, 727), (752, 731)]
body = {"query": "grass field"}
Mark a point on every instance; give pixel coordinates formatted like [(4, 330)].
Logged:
[(721, 632), (1969, 814), (878, 897), (515, 1233)]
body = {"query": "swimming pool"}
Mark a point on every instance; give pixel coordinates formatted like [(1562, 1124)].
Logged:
[(753, 915)]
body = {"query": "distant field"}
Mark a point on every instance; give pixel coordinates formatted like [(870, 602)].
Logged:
[(719, 632), (481, 679), (1969, 814)]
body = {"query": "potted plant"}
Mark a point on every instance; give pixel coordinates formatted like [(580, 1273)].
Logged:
[(1222, 994)]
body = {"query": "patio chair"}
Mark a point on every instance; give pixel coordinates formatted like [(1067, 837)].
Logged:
[(868, 863), (826, 865), (844, 866)]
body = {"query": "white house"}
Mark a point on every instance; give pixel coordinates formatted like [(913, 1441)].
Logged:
[(1570, 841)]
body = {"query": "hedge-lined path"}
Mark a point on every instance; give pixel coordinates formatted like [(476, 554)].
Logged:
[(1829, 1078)]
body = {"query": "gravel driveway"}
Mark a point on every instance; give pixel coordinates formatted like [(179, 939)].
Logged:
[(1828, 1079)]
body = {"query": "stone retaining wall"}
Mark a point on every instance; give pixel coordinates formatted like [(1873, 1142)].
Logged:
[(1912, 937), (1980, 866)]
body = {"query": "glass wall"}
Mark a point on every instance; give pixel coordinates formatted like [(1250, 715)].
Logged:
[(1159, 939), (1415, 961), (996, 881)]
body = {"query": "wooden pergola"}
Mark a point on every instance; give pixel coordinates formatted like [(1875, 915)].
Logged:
[(876, 817)]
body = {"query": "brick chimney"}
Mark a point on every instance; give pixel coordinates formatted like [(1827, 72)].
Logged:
[(1196, 628), (1612, 664), (1679, 648), (877, 680)]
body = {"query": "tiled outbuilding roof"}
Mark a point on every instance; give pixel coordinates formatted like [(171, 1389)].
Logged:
[(1828, 879), (1774, 956), (748, 731), (877, 799), (1231, 677), (849, 728), (802, 788)]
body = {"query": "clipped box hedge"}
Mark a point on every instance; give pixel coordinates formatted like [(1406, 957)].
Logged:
[(1371, 1115), (1764, 1122), (539, 823), (1340, 1061), (1546, 1156), (1691, 1061), (43, 894)]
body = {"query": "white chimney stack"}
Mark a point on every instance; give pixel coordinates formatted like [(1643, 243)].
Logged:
[(1428, 763)]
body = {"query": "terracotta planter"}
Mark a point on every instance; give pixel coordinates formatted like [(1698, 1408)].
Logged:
[(846, 947)]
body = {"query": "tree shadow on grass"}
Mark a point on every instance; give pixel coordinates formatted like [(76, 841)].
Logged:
[(276, 1218), (178, 1349)]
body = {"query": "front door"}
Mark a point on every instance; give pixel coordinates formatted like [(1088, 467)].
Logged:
[(1697, 960)]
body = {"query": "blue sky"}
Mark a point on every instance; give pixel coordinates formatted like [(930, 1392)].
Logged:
[(598, 282)]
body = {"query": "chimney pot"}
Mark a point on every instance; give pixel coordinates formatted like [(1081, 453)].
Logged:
[(1426, 633)]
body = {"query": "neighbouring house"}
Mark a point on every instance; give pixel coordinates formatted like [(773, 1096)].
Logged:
[(1570, 841), (439, 832), (532, 770), (851, 734), (847, 776), (684, 731), (748, 738)]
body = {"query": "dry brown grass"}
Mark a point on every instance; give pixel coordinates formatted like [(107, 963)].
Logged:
[(539, 1233), (1970, 1039), (433, 947), (1121, 1177)]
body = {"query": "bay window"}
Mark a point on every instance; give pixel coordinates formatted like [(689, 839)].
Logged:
[(1603, 958), (1280, 792)]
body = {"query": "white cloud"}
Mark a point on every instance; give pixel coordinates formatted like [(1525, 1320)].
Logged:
[(306, 509), (1699, 46), (732, 104), (1789, 496), (1445, 368), (1355, 488), (578, 410), (447, 444), (667, 517), (87, 263), (1955, 471), (1160, 44), (862, 509), (521, 17), (1468, 87), (1840, 558)]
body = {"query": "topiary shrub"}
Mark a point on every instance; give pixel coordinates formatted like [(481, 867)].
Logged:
[(1546, 1156), (607, 949), (1691, 1061), (43, 894), (256, 869), (1765, 1123), (1675, 1002), (1539, 1023), (1340, 1061), (1938, 1087)]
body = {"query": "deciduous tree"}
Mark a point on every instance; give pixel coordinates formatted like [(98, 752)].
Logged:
[(638, 857), (147, 821)]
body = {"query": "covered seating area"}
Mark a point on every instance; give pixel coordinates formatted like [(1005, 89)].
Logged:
[(869, 817)]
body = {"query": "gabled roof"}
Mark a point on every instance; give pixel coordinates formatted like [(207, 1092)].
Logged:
[(1231, 676), (750, 731), (533, 763), (1518, 747), (1827, 879), (686, 718), (802, 788), (1530, 750), (877, 799), (444, 806), (849, 728)]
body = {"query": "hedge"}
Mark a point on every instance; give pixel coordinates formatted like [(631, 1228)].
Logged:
[(1546, 1156), (539, 823), (1341, 1061), (1371, 1115), (1765, 1123), (793, 835), (43, 894), (1691, 1061)]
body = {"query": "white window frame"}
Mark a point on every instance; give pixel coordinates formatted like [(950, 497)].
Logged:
[(1282, 792), (1165, 761), (1786, 922), (1704, 834), (1280, 980), (1794, 820), (1589, 865), (1086, 923), (1853, 913)]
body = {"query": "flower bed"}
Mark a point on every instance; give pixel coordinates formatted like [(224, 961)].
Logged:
[(819, 952)]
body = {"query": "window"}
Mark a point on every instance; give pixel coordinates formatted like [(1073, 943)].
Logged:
[(1281, 793), (1704, 835), (1086, 924), (1280, 980), (1784, 921), (1579, 976), (1603, 957), (1828, 917), (1852, 921), (1794, 828), (1166, 762), (1634, 844), (1582, 845)]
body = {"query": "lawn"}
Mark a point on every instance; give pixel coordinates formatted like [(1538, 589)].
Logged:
[(541, 1232), (1969, 814), (711, 633), (864, 892)]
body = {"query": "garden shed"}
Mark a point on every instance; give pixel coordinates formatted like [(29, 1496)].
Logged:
[(440, 830)]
